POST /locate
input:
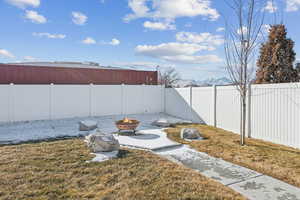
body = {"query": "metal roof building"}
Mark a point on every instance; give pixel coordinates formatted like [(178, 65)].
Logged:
[(73, 73)]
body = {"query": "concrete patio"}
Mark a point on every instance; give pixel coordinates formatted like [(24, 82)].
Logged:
[(152, 139), (50, 129)]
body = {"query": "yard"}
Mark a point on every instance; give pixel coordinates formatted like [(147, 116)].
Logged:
[(58, 170), (278, 161)]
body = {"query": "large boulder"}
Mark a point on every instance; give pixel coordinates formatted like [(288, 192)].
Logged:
[(102, 142), (162, 122), (87, 125), (190, 133)]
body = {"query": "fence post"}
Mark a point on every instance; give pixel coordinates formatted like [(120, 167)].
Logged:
[(122, 99), (90, 99), (143, 98), (191, 103), (11, 102), (50, 101), (249, 110), (214, 105), (164, 98)]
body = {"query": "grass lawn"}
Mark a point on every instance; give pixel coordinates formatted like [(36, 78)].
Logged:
[(278, 161), (58, 170)]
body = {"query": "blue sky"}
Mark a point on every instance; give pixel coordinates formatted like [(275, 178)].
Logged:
[(185, 34)]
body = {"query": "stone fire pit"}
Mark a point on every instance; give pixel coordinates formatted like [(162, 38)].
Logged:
[(127, 124)]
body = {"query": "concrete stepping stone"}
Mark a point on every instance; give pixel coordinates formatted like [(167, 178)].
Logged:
[(249, 183), (266, 188)]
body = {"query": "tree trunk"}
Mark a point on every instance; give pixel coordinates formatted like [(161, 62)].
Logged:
[(243, 131)]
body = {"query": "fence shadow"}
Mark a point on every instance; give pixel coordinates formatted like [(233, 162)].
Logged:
[(181, 107)]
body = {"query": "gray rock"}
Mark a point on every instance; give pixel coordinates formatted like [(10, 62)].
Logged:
[(162, 122), (102, 142), (184, 122), (190, 133), (87, 125)]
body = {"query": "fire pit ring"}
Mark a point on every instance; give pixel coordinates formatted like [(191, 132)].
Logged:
[(127, 124)]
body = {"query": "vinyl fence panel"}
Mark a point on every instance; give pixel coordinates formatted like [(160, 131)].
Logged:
[(30, 102), (70, 101), (5, 96), (106, 100), (228, 108), (178, 102), (41, 102), (274, 110), (203, 104), (275, 113)]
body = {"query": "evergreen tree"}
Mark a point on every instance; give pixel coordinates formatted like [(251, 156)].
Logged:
[(298, 69), (275, 64)]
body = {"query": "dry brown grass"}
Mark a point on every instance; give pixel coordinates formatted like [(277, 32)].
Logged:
[(58, 170), (278, 161)]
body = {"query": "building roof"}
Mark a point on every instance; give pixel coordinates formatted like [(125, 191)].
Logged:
[(65, 64), (28, 74)]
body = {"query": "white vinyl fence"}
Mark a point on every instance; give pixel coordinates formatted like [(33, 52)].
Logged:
[(40, 102), (274, 110)]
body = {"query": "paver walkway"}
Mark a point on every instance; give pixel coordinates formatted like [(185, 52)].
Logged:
[(249, 183)]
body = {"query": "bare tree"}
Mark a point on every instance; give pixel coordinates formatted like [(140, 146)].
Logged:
[(242, 36), (169, 77)]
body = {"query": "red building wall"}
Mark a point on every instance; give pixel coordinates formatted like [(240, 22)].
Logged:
[(59, 75)]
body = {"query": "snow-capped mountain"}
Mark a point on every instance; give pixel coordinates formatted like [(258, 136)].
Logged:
[(205, 82), (186, 83), (215, 81)]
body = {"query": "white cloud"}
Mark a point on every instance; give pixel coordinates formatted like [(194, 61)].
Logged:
[(79, 18), (49, 35), (187, 59), (242, 30), (220, 29), (178, 52), (159, 25), (35, 17), (270, 6), (171, 9), (266, 28), (170, 49), (200, 38), (6, 53), (114, 42), (292, 5), (89, 40), (24, 3), (139, 9)]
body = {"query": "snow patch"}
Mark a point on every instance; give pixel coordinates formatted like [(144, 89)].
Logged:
[(103, 156), (17, 132)]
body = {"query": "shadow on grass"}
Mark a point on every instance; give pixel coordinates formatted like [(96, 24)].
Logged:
[(123, 153), (11, 143)]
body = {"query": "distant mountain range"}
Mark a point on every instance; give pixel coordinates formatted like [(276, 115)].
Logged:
[(205, 82)]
